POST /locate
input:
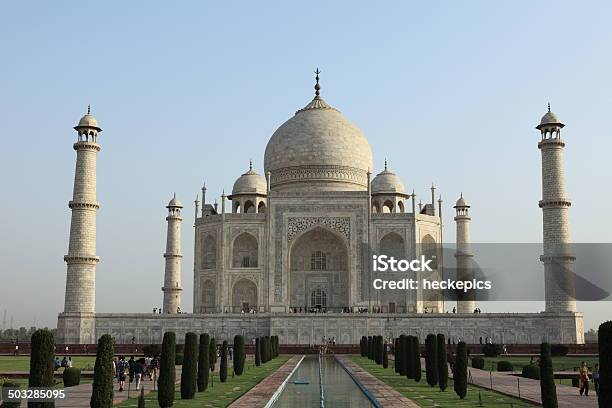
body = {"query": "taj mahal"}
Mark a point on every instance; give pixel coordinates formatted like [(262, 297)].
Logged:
[(289, 251)]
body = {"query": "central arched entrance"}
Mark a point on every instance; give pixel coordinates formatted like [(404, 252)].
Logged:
[(244, 297), (319, 272)]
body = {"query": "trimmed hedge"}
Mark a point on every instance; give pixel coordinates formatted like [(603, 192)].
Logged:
[(152, 350), (212, 354), (416, 356), (71, 376), (378, 349), (531, 371), (102, 388), (491, 350), (167, 371), (442, 362), (6, 404), (548, 390), (257, 352), (558, 350), (431, 360), (460, 374), (385, 362), (478, 362), (605, 364), (409, 357), (203, 362), (504, 366), (239, 355), (223, 366), (189, 371), (141, 399), (41, 364), (400, 358)]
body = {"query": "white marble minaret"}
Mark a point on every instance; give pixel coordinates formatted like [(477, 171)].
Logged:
[(557, 258), (172, 277), (464, 254), (81, 260)]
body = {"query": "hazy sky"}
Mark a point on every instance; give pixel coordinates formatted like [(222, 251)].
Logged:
[(448, 92)]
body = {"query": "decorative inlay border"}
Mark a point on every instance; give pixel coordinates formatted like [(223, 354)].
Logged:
[(295, 225)]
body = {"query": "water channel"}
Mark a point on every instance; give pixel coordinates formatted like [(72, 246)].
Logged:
[(328, 385)]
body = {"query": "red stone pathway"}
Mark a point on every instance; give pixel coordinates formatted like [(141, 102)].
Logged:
[(258, 396), (384, 394)]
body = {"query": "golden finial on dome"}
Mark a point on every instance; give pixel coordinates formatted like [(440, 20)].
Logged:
[(317, 87)]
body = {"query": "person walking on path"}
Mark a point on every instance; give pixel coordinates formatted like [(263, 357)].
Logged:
[(138, 372), (584, 379), (122, 367)]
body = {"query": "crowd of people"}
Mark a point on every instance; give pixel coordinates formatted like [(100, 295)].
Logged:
[(135, 370)]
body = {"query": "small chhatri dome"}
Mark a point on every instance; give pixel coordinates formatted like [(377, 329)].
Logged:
[(88, 121), (550, 118), (250, 182), (461, 202), (174, 203), (387, 182)]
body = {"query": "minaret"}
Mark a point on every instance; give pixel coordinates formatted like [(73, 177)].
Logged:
[(463, 255), (81, 260), (557, 258), (172, 278)]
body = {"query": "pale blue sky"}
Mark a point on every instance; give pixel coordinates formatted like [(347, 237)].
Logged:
[(449, 92)]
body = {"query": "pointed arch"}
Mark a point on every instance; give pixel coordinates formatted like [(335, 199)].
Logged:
[(249, 207), (245, 250), (209, 252), (244, 296)]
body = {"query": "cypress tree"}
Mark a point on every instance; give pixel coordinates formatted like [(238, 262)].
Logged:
[(203, 362), (548, 390), (385, 362), (416, 366), (268, 348), (41, 364), (400, 355), (223, 367), (395, 365), (362, 348), (375, 349), (190, 367), (141, 399), (212, 354), (460, 374), (370, 354), (604, 337), (167, 371), (257, 352), (102, 389), (409, 357), (239, 356), (442, 362), (380, 345), (431, 359)]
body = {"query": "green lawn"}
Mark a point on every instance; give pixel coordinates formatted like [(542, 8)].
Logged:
[(426, 396), (559, 363), (22, 363), (220, 395)]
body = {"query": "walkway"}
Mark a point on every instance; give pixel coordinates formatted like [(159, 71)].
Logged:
[(259, 395), (508, 384), (384, 394), (80, 395)]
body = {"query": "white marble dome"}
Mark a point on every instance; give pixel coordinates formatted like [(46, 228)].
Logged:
[(175, 203), (387, 182), (318, 149), (250, 182)]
